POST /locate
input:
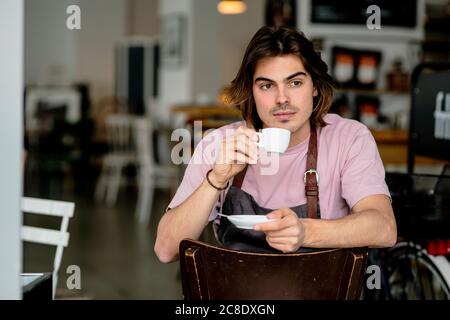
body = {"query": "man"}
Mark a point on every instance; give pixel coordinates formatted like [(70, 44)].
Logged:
[(283, 83)]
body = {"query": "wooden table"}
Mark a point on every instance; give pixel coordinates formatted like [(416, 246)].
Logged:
[(393, 148), (211, 116), (37, 286)]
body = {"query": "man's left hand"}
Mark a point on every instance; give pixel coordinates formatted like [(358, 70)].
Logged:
[(286, 233)]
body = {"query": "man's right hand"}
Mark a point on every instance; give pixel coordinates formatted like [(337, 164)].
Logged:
[(236, 151)]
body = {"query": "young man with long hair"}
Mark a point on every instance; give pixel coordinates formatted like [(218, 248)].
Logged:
[(283, 83)]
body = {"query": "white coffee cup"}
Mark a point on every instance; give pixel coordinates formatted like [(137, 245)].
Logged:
[(274, 139)]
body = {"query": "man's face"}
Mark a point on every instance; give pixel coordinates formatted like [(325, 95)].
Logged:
[(283, 93)]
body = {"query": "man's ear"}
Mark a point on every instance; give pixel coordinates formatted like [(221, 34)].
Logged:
[(315, 93)]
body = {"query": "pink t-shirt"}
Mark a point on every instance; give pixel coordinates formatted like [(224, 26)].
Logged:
[(348, 164)]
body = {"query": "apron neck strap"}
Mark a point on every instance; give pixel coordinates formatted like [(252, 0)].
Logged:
[(239, 178), (311, 177)]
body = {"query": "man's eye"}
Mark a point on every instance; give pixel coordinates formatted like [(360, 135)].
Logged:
[(266, 86), (296, 83)]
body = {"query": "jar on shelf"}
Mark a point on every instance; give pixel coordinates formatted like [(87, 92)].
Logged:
[(344, 69), (397, 79)]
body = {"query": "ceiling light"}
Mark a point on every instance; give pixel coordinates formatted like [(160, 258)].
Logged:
[(231, 6)]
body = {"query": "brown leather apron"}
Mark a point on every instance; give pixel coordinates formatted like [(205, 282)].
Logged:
[(238, 201)]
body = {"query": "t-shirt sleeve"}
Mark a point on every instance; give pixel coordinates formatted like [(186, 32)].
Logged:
[(363, 171), (202, 160)]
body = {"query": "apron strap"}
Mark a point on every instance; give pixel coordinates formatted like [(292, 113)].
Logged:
[(239, 178), (311, 177)]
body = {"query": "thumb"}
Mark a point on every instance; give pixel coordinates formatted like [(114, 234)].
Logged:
[(276, 214), (279, 213)]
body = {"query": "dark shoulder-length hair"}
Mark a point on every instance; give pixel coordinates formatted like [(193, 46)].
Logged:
[(272, 42)]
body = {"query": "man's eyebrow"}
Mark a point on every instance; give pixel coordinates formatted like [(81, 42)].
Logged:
[(300, 73)]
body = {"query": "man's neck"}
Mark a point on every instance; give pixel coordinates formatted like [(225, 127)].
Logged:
[(300, 135)]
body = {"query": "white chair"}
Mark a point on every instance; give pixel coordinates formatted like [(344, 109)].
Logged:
[(150, 173), (58, 238), (119, 134)]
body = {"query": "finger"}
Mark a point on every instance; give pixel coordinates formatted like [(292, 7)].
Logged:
[(243, 145), (251, 143), (287, 232), (249, 132), (283, 218), (238, 147), (232, 155), (277, 241), (276, 214), (276, 225), (285, 248), (239, 158), (280, 213), (290, 243)]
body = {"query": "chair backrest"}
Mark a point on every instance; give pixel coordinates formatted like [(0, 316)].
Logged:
[(58, 238), (143, 137), (209, 272), (429, 125), (119, 133)]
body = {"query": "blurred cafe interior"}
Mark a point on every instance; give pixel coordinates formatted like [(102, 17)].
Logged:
[(104, 86)]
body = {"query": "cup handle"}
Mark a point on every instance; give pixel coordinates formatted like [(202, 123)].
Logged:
[(259, 142)]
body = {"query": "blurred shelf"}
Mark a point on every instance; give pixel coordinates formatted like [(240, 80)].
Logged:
[(200, 112), (214, 124), (436, 45), (393, 148), (390, 136), (392, 145), (372, 92)]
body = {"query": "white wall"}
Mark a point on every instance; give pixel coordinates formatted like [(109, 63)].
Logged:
[(236, 32), (207, 50), (144, 18), (83, 55), (219, 44), (11, 142), (103, 23), (49, 46), (216, 44), (176, 83)]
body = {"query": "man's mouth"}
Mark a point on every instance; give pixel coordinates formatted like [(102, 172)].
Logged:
[(284, 115)]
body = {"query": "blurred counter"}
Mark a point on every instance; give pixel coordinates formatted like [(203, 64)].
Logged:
[(392, 144)]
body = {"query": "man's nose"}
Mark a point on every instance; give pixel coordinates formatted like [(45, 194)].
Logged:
[(282, 97)]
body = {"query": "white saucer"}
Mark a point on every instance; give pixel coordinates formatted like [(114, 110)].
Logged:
[(247, 221)]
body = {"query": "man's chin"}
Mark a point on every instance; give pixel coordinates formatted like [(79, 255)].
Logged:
[(281, 125), (289, 124), (292, 127)]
